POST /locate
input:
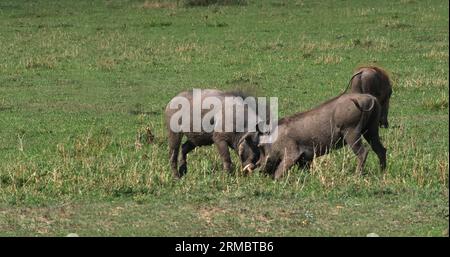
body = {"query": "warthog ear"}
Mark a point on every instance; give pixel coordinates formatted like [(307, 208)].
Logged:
[(262, 128), (246, 137)]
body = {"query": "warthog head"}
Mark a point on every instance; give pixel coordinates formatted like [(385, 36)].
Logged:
[(253, 147), (248, 151)]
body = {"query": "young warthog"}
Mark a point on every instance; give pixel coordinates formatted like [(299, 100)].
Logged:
[(375, 81), (339, 121), (222, 138)]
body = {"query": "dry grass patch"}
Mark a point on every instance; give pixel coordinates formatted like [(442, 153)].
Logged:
[(434, 54), (191, 3), (377, 44), (186, 47), (36, 221), (108, 63), (363, 12), (46, 62), (422, 81), (436, 103), (395, 24), (328, 59), (309, 47), (159, 5), (208, 213)]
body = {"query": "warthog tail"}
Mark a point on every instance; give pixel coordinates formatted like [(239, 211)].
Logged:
[(351, 79), (359, 106)]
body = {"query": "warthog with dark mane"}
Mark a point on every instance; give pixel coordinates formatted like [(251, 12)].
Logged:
[(375, 81), (245, 148), (338, 121)]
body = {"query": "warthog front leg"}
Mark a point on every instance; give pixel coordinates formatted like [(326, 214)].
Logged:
[(185, 149), (174, 148), (224, 153), (269, 165), (290, 157)]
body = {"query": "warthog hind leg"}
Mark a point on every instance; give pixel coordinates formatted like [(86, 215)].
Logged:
[(353, 139)]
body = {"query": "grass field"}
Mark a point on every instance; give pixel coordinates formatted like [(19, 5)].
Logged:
[(81, 81)]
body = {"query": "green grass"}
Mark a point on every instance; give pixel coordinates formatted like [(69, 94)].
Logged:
[(81, 81)]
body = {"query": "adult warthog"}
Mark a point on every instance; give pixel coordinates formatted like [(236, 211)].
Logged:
[(336, 122), (375, 81), (218, 120)]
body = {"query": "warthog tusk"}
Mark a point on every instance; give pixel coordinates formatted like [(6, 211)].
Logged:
[(247, 167)]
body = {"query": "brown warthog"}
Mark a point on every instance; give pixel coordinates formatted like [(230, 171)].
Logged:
[(222, 138), (375, 81), (338, 121)]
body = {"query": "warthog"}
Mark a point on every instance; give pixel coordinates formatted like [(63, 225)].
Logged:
[(375, 81), (245, 148), (336, 122)]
